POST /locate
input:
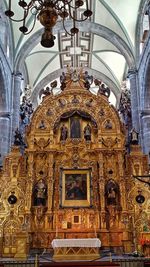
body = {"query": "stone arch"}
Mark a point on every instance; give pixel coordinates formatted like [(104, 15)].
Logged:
[(92, 27), (6, 33), (139, 25)]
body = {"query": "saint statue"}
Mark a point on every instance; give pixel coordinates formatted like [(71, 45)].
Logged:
[(111, 197), (63, 133), (40, 193), (87, 132), (112, 194)]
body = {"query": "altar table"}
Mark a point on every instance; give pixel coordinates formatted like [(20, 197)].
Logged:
[(76, 249)]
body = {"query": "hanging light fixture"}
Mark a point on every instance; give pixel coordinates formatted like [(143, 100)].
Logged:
[(48, 12)]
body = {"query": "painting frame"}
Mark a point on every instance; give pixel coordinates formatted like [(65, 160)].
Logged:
[(76, 188)]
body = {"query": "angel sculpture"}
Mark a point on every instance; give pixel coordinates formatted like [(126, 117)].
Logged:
[(48, 90), (44, 92), (103, 90), (88, 80)]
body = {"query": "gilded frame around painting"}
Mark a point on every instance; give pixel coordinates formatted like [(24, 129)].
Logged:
[(76, 188)]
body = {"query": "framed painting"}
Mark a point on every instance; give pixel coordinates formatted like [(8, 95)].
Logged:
[(75, 188)]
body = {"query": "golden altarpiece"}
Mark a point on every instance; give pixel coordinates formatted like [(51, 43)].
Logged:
[(74, 179)]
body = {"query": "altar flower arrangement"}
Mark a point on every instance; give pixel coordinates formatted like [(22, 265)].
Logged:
[(144, 241)]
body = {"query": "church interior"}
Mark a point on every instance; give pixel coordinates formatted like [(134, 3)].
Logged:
[(74, 133)]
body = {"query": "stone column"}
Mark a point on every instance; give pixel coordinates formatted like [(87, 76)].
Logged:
[(132, 75), (16, 101), (4, 134)]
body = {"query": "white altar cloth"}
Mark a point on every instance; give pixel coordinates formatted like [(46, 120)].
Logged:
[(79, 242)]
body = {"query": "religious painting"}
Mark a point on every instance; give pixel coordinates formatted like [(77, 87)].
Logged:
[(75, 131), (76, 188)]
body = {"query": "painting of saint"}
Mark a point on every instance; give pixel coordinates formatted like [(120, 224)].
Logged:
[(75, 131), (76, 187)]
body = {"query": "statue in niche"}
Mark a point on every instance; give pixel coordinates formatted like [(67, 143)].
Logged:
[(63, 133), (75, 131), (40, 193), (87, 132), (42, 125), (111, 197), (134, 137), (108, 125), (112, 193)]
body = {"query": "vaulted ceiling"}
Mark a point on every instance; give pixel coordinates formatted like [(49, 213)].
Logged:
[(105, 46)]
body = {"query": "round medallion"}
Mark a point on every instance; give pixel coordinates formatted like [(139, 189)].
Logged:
[(12, 199), (140, 199)]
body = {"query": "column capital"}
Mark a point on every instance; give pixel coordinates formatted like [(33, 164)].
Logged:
[(5, 114), (145, 113), (131, 72), (17, 74)]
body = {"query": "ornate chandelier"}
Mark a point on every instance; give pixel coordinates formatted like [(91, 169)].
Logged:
[(47, 12)]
